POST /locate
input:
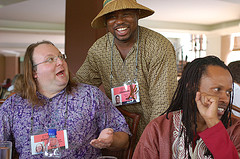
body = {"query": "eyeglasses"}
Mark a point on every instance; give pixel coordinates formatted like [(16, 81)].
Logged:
[(52, 59)]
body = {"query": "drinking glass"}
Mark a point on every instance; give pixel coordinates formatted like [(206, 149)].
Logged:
[(5, 150), (107, 157)]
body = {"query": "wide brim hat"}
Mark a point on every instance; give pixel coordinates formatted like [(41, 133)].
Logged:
[(115, 5)]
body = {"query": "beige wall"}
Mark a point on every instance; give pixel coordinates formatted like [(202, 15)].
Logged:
[(213, 45), (219, 46), (225, 47)]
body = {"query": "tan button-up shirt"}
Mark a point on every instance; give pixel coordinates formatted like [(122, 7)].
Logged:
[(156, 75)]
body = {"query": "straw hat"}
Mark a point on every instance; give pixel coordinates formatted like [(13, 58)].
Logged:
[(115, 5)]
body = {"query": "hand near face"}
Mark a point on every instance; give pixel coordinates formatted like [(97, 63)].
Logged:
[(208, 108), (104, 140)]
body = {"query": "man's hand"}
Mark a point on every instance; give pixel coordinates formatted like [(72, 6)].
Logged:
[(208, 108), (104, 140)]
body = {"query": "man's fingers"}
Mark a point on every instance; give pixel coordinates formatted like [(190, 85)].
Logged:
[(100, 143)]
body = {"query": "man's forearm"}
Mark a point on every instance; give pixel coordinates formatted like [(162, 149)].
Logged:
[(120, 141), (218, 142)]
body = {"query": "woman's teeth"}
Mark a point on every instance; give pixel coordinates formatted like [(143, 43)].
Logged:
[(220, 109), (60, 73)]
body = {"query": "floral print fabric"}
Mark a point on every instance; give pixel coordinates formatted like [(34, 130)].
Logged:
[(88, 112)]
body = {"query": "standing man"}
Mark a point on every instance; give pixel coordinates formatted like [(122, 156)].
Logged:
[(235, 69), (131, 59)]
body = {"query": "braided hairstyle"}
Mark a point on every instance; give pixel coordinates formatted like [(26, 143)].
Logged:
[(184, 97)]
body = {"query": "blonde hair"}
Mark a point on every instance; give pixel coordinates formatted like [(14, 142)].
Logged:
[(28, 89)]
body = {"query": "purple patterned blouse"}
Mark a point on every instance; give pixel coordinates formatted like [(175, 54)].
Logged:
[(88, 111)]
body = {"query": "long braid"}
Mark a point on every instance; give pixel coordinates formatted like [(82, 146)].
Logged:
[(185, 94)]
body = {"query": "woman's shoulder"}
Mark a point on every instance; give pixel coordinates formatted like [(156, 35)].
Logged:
[(15, 101), (83, 88)]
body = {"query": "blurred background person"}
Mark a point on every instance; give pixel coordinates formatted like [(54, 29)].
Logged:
[(4, 86), (13, 82), (235, 69), (16, 82), (6, 83)]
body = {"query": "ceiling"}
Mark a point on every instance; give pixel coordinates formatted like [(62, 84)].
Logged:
[(47, 17), (206, 12), (187, 11)]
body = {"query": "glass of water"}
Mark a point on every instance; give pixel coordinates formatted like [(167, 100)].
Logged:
[(5, 150), (107, 157)]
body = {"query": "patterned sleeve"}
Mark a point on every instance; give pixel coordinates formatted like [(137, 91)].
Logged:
[(148, 146), (162, 78), (108, 115), (88, 72), (5, 118)]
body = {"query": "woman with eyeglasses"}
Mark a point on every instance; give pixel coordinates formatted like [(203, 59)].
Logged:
[(85, 119)]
